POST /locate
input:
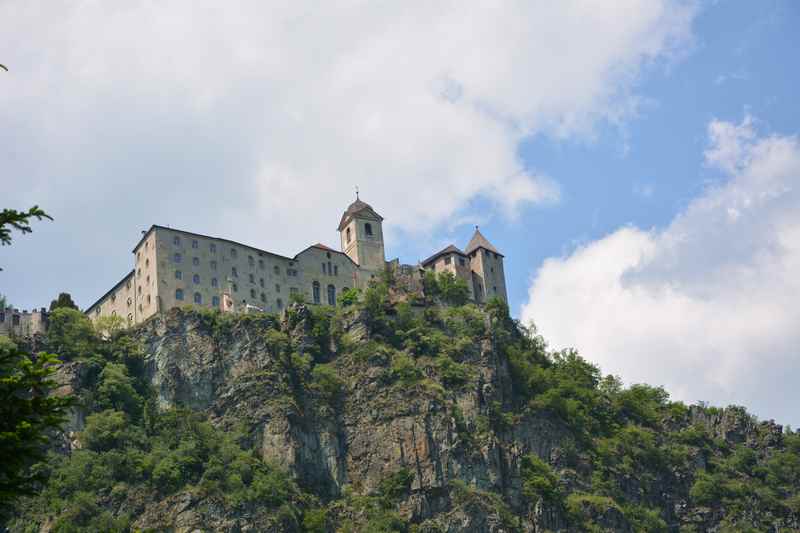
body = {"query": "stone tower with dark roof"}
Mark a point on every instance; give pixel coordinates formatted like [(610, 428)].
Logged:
[(361, 232), (486, 263)]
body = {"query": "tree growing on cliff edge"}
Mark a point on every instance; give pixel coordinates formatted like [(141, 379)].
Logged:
[(64, 300), (27, 411), (27, 414)]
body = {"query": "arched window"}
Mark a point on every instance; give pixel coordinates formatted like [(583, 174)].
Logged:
[(279, 303), (331, 295), (276, 269), (368, 228), (179, 294), (347, 234), (196, 279), (253, 293), (316, 292), (196, 261), (263, 297), (252, 279), (130, 318), (250, 260), (178, 274), (213, 282), (235, 288), (215, 301), (146, 263), (198, 298)]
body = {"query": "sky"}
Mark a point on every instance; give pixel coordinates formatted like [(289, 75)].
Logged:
[(637, 162)]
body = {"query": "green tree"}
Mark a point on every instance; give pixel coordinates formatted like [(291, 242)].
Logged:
[(453, 290), (108, 326), (64, 300), (71, 334), (27, 413)]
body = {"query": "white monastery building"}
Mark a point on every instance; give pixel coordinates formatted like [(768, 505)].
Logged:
[(173, 268)]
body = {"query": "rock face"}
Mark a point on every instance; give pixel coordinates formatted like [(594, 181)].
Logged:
[(343, 415)]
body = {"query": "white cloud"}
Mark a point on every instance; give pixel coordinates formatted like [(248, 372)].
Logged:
[(706, 306), (294, 104)]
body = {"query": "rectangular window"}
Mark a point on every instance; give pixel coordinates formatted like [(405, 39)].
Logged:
[(447, 260), (461, 261), (213, 265), (335, 270), (277, 288), (195, 244), (234, 272), (212, 248), (324, 268)]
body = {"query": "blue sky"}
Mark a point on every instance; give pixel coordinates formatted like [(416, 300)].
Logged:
[(642, 153)]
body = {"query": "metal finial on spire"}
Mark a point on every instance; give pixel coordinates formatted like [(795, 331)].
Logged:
[(356, 192)]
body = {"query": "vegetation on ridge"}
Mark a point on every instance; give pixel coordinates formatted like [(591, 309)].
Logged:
[(624, 457)]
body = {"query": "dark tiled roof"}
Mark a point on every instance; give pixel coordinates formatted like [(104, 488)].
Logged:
[(355, 208), (449, 250), (479, 241)]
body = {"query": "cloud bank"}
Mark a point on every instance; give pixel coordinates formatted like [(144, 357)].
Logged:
[(261, 116), (706, 306)]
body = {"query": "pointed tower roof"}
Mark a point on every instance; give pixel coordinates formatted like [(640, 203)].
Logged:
[(479, 241), (358, 208)]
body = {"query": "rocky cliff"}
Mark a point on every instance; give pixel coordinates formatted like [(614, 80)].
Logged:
[(393, 417)]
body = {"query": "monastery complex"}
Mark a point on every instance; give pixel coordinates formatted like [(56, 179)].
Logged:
[(173, 268)]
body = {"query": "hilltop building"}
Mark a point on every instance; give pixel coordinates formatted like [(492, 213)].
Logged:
[(24, 323), (173, 268)]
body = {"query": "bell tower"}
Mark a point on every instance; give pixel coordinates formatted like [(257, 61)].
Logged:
[(361, 232)]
